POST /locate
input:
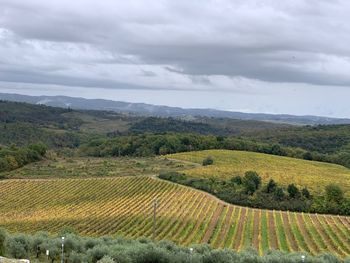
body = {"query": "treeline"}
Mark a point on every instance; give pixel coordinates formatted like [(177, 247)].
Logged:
[(326, 139), (79, 249), (327, 143), (12, 157), (248, 190), (22, 134), (14, 112), (161, 125), (160, 144)]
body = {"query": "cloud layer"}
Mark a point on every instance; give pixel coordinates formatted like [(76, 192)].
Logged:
[(232, 47)]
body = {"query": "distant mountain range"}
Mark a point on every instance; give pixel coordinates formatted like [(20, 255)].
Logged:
[(165, 111)]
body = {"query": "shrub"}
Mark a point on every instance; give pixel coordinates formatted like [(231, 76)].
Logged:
[(293, 191), (251, 181), (18, 246), (106, 259), (3, 236), (208, 161)]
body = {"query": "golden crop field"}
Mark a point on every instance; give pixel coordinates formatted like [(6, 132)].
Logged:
[(112, 206), (284, 170)]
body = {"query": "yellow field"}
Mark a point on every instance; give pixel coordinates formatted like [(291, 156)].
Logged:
[(284, 170), (124, 206)]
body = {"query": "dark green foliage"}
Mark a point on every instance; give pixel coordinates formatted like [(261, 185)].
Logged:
[(251, 181), (22, 124), (236, 180), (3, 235), (160, 144), (247, 191), (334, 194), (235, 191), (162, 125), (40, 114), (293, 191), (208, 161), (22, 134), (305, 192), (271, 186), (18, 246), (325, 143), (12, 157), (279, 193), (120, 250)]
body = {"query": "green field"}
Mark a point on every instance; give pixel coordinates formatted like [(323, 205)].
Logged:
[(284, 170), (83, 167)]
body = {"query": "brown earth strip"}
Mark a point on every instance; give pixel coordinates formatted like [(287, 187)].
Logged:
[(213, 222), (306, 234), (239, 233), (256, 229), (272, 231), (327, 240), (225, 227), (289, 233)]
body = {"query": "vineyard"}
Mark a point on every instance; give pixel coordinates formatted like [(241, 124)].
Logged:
[(83, 167), (123, 206), (284, 170)]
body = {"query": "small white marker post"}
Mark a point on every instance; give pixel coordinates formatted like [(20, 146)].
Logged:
[(191, 252), (303, 258), (62, 259), (47, 254)]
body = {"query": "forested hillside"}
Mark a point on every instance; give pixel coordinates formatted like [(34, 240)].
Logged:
[(103, 133)]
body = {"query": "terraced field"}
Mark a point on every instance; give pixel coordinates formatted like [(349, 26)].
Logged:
[(124, 206), (284, 170)]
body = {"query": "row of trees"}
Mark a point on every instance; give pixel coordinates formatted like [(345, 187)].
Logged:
[(79, 249), (13, 157), (248, 190), (160, 144)]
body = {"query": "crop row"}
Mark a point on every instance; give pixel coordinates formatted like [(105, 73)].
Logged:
[(124, 206)]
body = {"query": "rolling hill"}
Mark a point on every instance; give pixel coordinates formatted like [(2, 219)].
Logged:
[(165, 111), (123, 206), (284, 170)]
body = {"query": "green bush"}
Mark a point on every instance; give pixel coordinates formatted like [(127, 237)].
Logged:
[(208, 161), (120, 250), (3, 236)]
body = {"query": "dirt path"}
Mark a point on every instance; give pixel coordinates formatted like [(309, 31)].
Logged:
[(213, 222), (272, 231), (256, 229), (289, 232), (225, 227), (239, 234)]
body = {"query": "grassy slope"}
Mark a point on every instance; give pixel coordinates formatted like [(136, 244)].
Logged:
[(284, 170), (124, 206), (95, 167)]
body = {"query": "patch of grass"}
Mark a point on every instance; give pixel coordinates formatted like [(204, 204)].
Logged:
[(284, 170), (95, 167)]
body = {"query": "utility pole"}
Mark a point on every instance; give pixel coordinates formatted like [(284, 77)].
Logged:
[(155, 205), (62, 257)]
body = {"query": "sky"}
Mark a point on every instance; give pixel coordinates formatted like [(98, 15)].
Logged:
[(290, 56)]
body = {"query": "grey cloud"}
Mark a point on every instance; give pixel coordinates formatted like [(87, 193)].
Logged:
[(292, 41), (55, 79)]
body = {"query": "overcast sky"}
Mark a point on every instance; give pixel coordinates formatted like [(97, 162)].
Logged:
[(287, 56)]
